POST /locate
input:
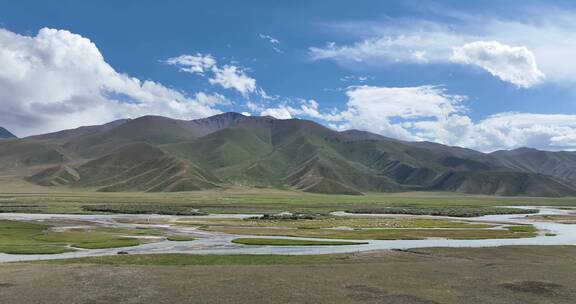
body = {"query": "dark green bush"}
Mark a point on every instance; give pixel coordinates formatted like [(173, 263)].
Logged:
[(164, 209)]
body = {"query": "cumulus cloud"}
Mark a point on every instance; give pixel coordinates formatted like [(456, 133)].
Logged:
[(430, 113), (393, 111), (58, 80), (294, 107), (233, 77), (504, 131), (516, 65), (227, 76), (511, 130), (279, 113)]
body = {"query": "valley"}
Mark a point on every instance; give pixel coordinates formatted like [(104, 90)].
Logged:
[(287, 152), (74, 225), (231, 196)]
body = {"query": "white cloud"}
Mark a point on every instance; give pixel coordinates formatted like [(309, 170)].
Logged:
[(58, 80), (355, 78), (505, 131), (393, 111), (279, 112), (549, 35), (233, 77), (519, 50), (516, 65), (227, 76), (273, 42), (294, 107), (269, 38), (429, 113), (195, 64), (512, 130), (392, 47)]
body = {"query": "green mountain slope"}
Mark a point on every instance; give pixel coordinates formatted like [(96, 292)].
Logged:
[(561, 165), (153, 153)]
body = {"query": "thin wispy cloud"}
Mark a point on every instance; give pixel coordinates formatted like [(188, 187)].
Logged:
[(275, 43)]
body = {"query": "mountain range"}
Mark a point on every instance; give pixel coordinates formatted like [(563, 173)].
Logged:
[(156, 154)]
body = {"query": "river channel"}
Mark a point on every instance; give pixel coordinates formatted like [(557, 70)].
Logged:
[(208, 242)]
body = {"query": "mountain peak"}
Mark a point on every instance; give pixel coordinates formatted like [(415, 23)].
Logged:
[(227, 115), (4, 134), (225, 120), (525, 150)]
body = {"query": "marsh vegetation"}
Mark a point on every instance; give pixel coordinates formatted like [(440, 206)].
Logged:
[(17, 237), (290, 242), (455, 211), (365, 228)]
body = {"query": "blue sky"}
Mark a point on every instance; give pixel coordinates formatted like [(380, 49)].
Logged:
[(481, 74)]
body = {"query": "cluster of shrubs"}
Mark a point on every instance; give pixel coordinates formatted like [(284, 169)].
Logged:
[(444, 211), (13, 208), (287, 216), (164, 209)]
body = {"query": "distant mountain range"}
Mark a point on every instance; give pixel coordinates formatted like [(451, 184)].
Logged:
[(155, 154)]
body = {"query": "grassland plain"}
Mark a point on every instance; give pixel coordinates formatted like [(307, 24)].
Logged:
[(500, 275), (240, 200)]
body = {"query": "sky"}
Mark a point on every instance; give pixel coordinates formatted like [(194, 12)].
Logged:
[(486, 75)]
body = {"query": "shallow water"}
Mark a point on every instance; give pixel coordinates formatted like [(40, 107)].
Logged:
[(219, 243)]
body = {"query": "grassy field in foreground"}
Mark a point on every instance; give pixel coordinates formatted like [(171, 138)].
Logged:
[(516, 253), (499, 275), (256, 201), (197, 260), (287, 242)]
